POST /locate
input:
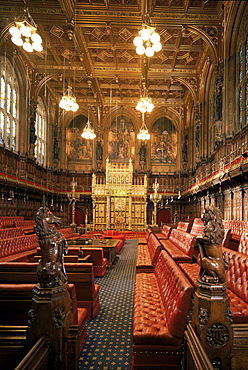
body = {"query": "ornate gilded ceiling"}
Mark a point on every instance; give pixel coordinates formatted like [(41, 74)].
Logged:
[(89, 44)]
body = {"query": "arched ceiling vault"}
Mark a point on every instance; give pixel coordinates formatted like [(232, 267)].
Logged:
[(89, 43)]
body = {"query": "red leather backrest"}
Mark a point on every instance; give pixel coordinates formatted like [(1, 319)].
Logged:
[(237, 273), (154, 247), (184, 241), (176, 293), (166, 230), (243, 244)]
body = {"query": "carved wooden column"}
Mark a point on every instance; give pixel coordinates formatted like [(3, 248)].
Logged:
[(51, 313), (212, 317), (51, 316)]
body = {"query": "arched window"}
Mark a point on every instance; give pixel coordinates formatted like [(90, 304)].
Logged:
[(40, 132), (9, 105), (242, 82)]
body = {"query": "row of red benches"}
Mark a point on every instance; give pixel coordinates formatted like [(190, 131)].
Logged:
[(161, 288)]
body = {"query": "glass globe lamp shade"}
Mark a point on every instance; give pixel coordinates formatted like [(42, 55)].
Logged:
[(137, 41), (35, 37), (37, 46), (145, 34), (149, 51), (155, 38), (14, 32), (17, 41), (25, 31), (28, 47), (157, 46), (74, 107), (140, 50), (150, 108)]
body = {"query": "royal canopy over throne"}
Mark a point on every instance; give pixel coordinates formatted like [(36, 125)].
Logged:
[(119, 203)]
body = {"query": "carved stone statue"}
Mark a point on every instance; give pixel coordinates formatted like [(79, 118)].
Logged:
[(98, 151), (213, 265), (50, 271)]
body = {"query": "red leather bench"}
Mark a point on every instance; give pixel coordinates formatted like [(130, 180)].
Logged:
[(68, 233), (165, 232), (11, 232), (236, 278), (26, 225), (100, 263), (144, 239), (243, 243), (79, 274), (21, 247), (179, 245), (197, 227), (8, 221), (16, 301), (161, 303), (184, 226), (114, 234), (147, 255), (96, 257), (238, 227)]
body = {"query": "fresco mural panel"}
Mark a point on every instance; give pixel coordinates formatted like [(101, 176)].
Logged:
[(78, 148), (163, 142), (121, 139)]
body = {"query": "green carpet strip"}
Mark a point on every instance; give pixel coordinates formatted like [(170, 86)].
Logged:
[(109, 342)]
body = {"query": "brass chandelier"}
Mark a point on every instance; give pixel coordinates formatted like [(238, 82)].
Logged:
[(148, 41), (24, 33)]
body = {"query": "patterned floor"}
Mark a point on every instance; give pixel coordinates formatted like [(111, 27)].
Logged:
[(109, 342)]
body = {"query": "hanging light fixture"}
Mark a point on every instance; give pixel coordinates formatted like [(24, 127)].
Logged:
[(143, 132), (148, 40), (24, 33), (145, 103), (68, 101), (88, 131)]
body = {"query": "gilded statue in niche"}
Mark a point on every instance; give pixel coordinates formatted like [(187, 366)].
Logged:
[(163, 142), (121, 139), (78, 148)]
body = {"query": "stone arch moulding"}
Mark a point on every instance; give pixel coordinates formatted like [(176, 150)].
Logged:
[(207, 39), (131, 114)]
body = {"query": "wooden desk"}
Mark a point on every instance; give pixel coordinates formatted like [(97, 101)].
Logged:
[(108, 246)]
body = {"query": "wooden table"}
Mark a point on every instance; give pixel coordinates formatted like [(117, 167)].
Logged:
[(108, 246)]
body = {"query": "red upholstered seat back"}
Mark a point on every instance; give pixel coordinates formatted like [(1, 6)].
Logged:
[(166, 230), (237, 273), (184, 226), (175, 291), (243, 244), (111, 232), (154, 247), (197, 227), (184, 241)]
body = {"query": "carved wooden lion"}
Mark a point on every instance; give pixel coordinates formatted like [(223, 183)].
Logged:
[(213, 266)]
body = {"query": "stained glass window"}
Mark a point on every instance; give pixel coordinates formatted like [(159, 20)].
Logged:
[(246, 55), (240, 64), (40, 132), (246, 102), (9, 105), (240, 108)]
